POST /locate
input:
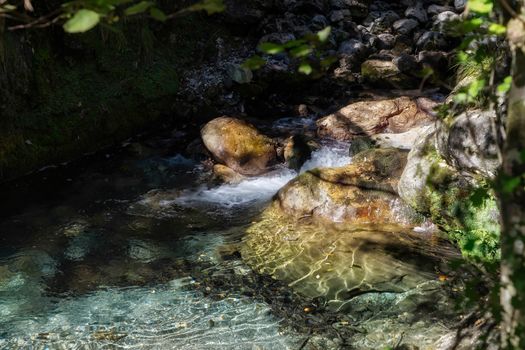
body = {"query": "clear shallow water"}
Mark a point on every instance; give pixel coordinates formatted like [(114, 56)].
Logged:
[(117, 261), (135, 253)]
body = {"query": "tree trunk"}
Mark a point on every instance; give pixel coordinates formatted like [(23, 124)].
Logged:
[(513, 203)]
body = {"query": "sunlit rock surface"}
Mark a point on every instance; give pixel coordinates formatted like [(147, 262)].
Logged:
[(386, 277), (238, 145), (372, 117), (361, 192)]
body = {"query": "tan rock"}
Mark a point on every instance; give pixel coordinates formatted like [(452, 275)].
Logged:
[(362, 192), (238, 145), (226, 175), (396, 115)]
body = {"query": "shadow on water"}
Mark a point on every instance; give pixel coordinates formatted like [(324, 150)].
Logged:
[(135, 252)]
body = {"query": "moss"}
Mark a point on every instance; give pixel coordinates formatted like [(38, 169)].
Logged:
[(474, 228), (86, 92)]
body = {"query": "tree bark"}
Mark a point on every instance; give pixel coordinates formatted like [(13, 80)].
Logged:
[(513, 204)]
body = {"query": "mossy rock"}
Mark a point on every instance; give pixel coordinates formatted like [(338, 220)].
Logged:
[(433, 187)]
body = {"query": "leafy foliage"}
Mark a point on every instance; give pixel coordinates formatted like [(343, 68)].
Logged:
[(307, 51), (82, 21), (82, 15)]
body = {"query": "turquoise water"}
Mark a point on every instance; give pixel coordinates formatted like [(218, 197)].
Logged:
[(135, 250)]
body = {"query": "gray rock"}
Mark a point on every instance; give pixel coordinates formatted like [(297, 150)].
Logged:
[(417, 12), (432, 40), (339, 15), (318, 6), (446, 23), (319, 22), (405, 140), (407, 64), (470, 143), (353, 48), (385, 41), (437, 9), (380, 22), (278, 38), (460, 4), (405, 26), (437, 60)]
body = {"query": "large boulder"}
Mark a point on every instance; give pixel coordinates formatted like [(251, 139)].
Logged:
[(396, 115), (460, 204), (238, 145), (470, 142), (362, 192)]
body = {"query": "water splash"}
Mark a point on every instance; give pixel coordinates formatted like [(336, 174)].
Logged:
[(262, 188)]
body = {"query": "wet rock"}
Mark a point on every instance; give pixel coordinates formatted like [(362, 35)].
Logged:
[(380, 72), (296, 151), (342, 263), (360, 144), (405, 26), (372, 117), (470, 143), (223, 174), (362, 192), (238, 145)]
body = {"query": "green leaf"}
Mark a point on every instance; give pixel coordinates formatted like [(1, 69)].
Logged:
[(301, 51), (82, 21), (461, 98), (471, 24), (497, 29), (138, 8), (509, 184), (293, 43), (271, 48), (480, 6), (475, 88), (158, 14), (210, 6), (305, 68), (504, 87), (254, 62), (323, 35)]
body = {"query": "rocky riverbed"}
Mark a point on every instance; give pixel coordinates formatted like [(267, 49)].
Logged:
[(282, 212)]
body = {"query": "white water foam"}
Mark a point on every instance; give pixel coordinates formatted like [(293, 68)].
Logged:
[(262, 188)]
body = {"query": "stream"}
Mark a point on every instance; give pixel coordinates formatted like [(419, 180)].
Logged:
[(136, 251)]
